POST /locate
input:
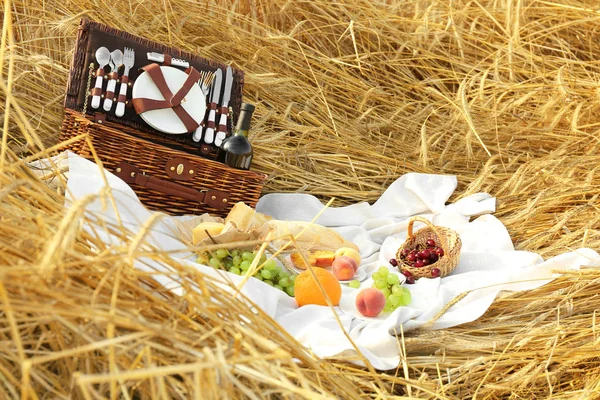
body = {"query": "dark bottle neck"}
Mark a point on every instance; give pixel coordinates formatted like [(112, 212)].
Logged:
[(243, 123)]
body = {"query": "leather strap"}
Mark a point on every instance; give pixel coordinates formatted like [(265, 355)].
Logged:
[(125, 79), (174, 189), (189, 122), (159, 79), (193, 77), (97, 91), (210, 124), (171, 100), (100, 72), (167, 59), (142, 105), (205, 149), (133, 175), (99, 117), (113, 75), (180, 169), (212, 106), (109, 95), (122, 98), (223, 111)]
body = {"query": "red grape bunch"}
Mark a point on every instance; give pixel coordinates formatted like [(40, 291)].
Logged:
[(423, 256)]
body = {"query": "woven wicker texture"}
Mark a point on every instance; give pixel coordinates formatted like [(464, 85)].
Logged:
[(114, 145), (446, 238)]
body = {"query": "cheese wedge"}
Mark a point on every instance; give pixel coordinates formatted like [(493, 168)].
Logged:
[(202, 231)]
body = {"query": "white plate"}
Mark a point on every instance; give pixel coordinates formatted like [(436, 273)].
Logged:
[(360, 274), (165, 120)]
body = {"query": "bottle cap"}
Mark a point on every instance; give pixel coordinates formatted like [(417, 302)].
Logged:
[(247, 107)]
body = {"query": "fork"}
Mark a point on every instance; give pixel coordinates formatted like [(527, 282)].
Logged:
[(206, 79), (128, 61)]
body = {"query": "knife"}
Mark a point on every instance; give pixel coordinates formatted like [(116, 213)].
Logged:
[(167, 60), (224, 111), (209, 133)]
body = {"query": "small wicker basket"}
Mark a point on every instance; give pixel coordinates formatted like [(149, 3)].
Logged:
[(446, 238)]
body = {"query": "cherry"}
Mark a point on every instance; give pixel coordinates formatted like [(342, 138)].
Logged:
[(425, 261), (406, 273), (404, 252), (430, 243), (425, 254), (394, 262), (435, 272), (410, 280), (433, 257), (439, 251), (419, 263), (411, 257)]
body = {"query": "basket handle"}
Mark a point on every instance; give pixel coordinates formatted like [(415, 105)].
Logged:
[(132, 174), (443, 243)]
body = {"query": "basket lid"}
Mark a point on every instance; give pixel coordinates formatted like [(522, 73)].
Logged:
[(92, 35)]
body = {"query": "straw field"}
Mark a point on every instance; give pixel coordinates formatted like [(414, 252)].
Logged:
[(351, 94)]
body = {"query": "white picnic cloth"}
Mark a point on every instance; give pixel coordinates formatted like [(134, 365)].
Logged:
[(488, 265)]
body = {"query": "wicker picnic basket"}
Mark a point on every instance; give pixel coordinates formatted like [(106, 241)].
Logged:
[(446, 238), (169, 173)]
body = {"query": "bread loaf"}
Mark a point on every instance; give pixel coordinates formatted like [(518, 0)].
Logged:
[(244, 219), (315, 237)]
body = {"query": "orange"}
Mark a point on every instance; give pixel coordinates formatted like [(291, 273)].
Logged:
[(307, 290)]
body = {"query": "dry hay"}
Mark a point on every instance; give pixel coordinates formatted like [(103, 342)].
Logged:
[(351, 95)]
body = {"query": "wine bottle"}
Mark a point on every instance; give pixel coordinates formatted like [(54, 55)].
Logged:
[(236, 150)]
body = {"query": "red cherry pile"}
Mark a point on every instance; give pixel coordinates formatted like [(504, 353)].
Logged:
[(421, 257)]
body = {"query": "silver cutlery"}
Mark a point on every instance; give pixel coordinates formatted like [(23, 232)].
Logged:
[(205, 81), (224, 110), (116, 60), (103, 58), (167, 59), (209, 132), (128, 61)]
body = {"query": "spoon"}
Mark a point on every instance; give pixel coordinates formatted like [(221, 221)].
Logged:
[(116, 59), (102, 57)]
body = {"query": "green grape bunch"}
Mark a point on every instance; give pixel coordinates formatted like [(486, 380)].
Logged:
[(238, 262), (389, 284)]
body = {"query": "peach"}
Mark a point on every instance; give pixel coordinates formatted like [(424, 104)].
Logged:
[(343, 268), (370, 302), (298, 261), (323, 258), (345, 260), (349, 252), (317, 258)]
